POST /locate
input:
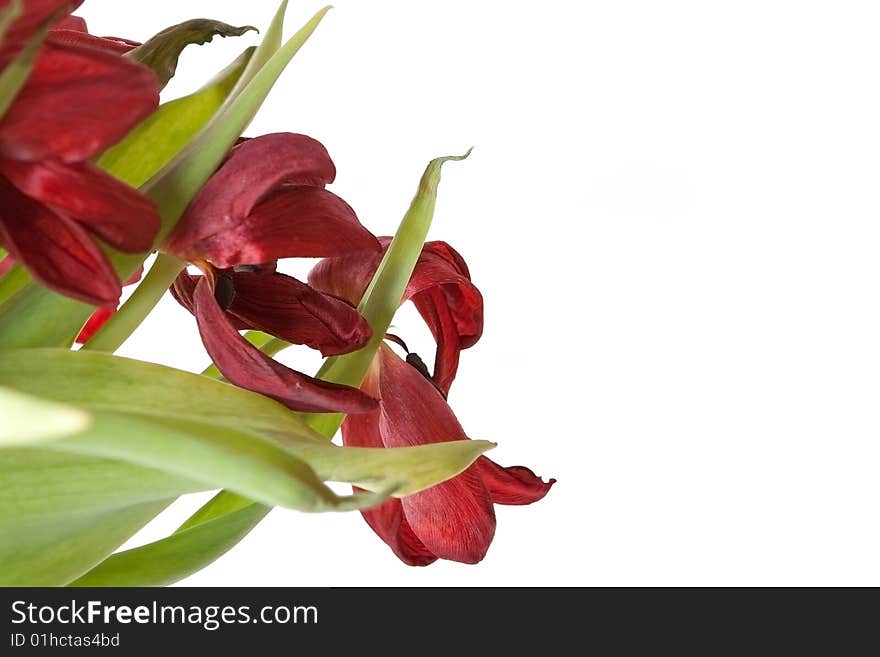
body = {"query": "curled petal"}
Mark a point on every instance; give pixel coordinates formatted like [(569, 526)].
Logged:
[(121, 215), (291, 310), (76, 103), (512, 485), (57, 251), (247, 367), (293, 221), (254, 169), (440, 288)]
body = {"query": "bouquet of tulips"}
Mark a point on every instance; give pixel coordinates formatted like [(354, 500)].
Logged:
[(103, 186)]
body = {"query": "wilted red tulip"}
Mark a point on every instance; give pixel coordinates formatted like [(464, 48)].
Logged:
[(54, 202), (456, 519), (268, 202)]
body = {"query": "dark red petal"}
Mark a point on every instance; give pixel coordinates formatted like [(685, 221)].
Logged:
[(454, 520), (254, 169), (346, 277), (440, 288), (73, 23), (291, 310), (247, 367), (390, 524), (96, 321), (512, 485), (76, 103), (121, 215), (36, 12), (294, 221), (183, 289), (79, 38), (57, 251), (387, 520)]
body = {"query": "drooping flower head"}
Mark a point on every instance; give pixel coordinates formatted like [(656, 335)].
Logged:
[(265, 203), (456, 519), (55, 204)]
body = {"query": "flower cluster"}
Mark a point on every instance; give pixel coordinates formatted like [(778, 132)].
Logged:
[(63, 219)]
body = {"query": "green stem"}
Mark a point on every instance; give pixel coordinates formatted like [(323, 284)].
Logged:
[(121, 325)]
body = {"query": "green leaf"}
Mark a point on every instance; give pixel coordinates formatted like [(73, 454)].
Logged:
[(101, 382), (62, 514), (55, 554), (28, 420), (183, 553), (162, 51), (216, 433), (38, 485), (156, 140)]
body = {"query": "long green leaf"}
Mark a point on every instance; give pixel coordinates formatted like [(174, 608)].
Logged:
[(183, 553), (55, 554), (40, 486), (28, 420), (100, 382)]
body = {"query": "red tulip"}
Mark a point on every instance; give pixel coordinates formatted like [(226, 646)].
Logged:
[(456, 519), (54, 203), (268, 202)]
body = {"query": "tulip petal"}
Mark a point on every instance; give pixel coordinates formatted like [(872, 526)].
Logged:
[(255, 167), (81, 38), (247, 367), (291, 310), (440, 288), (512, 485), (455, 519), (73, 23), (77, 102), (389, 522), (387, 519), (120, 215), (57, 251), (297, 221)]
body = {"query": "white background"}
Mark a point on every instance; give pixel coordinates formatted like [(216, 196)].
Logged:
[(672, 211)]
